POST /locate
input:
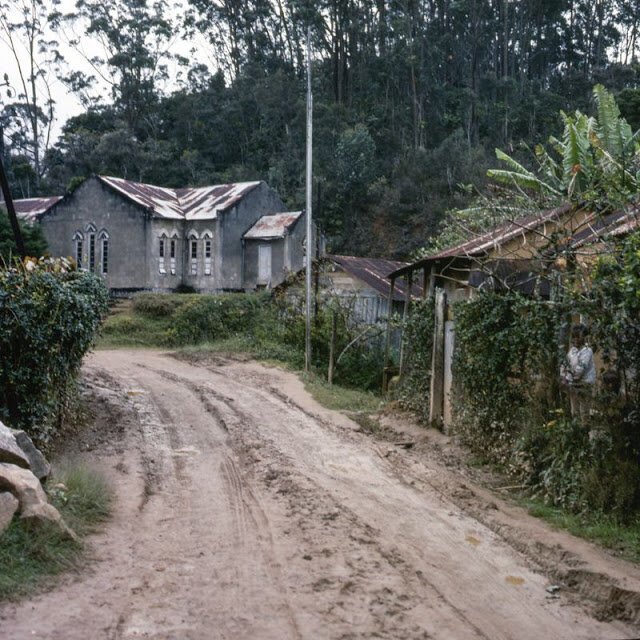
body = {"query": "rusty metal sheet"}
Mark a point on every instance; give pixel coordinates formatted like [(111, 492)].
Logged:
[(28, 209), (375, 273), (273, 226), (200, 203)]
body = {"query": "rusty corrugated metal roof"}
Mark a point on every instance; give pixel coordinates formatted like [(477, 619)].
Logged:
[(615, 224), (28, 209), (375, 273), (201, 203), (273, 226), (498, 236)]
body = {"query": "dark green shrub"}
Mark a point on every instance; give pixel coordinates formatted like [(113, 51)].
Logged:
[(48, 319), (206, 318), (505, 366), (158, 305), (415, 387)]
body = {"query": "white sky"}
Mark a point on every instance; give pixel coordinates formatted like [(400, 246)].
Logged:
[(67, 104)]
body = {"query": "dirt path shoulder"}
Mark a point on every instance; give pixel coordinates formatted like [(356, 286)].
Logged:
[(245, 510)]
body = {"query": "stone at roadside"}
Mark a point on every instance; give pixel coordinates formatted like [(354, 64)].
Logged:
[(8, 506), (37, 462), (43, 514), (34, 507), (22, 484), (10, 451)]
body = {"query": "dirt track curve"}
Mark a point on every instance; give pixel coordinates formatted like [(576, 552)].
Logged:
[(246, 511)]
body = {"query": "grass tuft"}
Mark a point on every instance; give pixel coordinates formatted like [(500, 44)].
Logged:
[(29, 557), (622, 539)]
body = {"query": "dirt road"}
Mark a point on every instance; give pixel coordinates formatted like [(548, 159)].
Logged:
[(245, 510)]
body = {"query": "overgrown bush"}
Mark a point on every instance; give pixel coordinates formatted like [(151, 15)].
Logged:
[(509, 407), (505, 365), (206, 318), (49, 315), (159, 305), (415, 387)]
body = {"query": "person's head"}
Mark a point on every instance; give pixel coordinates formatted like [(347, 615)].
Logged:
[(579, 334)]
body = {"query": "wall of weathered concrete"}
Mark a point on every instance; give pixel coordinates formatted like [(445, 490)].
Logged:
[(234, 224), (128, 227), (134, 239), (295, 247), (251, 280)]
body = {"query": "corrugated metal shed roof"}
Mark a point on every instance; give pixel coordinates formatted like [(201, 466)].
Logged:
[(495, 238), (615, 224), (273, 226), (375, 273), (28, 208), (202, 203)]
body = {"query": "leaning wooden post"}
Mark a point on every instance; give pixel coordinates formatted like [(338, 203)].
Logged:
[(387, 346), (405, 317), (13, 218), (436, 401)]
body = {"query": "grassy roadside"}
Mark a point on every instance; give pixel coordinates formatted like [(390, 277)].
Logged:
[(623, 540), (29, 559)]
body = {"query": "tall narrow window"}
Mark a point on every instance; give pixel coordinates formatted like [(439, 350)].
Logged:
[(104, 254), (172, 256), (194, 257), (161, 248), (78, 240), (207, 255), (92, 252)]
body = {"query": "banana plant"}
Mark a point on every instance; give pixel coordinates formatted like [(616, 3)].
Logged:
[(595, 154)]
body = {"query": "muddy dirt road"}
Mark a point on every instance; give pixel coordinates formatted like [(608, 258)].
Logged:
[(246, 511)]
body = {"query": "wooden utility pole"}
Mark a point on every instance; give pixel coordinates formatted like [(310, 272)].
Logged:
[(310, 243)]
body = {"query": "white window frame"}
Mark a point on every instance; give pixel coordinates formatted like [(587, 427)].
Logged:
[(193, 252), (104, 251), (173, 248), (91, 248), (207, 251), (162, 249), (78, 241)]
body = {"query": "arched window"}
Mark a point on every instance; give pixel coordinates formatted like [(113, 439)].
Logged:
[(78, 247), (162, 250), (173, 248), (91, 234), (207, 243), (193, 252), (104, 251)]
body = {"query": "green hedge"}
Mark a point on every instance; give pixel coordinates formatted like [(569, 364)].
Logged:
[(207, 318), (48, 318)]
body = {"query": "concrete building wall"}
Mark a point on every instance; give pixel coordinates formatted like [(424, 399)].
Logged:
[(234, 223), (93, 209), (203, 273), (164, 272), (251, 262), (295, 245), (133, 240)]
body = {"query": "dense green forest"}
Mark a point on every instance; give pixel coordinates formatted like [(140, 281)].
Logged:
[(410, 99)]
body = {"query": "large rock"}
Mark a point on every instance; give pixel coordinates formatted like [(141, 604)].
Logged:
[(22, 484), (8, 506), (37, 462), (44, 514), (34, 507), (10, 451)]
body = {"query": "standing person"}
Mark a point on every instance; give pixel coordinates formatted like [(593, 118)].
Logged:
[(578, 373)]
